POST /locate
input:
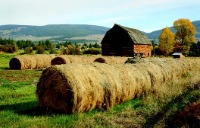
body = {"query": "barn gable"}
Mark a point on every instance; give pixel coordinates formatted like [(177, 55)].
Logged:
[(137, 36), (122, 41)]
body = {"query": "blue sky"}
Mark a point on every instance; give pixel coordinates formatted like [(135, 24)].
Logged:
[(145, 15)]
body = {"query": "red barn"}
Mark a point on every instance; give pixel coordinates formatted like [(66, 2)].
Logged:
[(124, 41)]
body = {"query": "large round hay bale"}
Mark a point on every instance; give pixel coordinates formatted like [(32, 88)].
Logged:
[(74, 87), (22, 62)]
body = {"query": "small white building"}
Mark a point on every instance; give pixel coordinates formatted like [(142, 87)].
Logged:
[(178, 55)]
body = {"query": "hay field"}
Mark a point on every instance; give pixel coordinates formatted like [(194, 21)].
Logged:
[(76, 88), (19, 104)]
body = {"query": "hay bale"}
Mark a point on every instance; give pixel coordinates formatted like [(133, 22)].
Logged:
[(66, 59), (15, 63), (111, 60), (134, 60), (22, 62), (100, 60), (60, 60), (73, 88)]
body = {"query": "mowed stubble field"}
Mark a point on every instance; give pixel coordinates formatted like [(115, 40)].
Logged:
[(19, 104)]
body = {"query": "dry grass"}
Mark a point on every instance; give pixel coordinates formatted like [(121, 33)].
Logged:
[(22, 62), (82, 87)]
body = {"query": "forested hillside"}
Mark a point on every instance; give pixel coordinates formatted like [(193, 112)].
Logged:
[(55, 32), (75, 32)]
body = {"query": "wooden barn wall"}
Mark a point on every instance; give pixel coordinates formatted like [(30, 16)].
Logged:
[(117, 43), (144, 49)]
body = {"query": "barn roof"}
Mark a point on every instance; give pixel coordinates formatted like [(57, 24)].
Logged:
[(137, 36)]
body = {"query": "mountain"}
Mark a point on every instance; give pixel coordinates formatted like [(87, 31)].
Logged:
[(156, 34), (53, 32), (71, 32)]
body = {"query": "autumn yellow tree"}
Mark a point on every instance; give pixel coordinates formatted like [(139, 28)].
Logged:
[(166, 40), (185, 35)]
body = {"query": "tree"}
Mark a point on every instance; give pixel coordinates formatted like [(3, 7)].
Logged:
[(48, 44), (28, 50), (195, 49), (153, 44), (90, 45), (185, 34), (52, 49), (166, 40), (67, 43), (84, 46), (96, 45)]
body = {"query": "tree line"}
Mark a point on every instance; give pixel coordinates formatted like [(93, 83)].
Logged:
[(183, 40), (11, 46)]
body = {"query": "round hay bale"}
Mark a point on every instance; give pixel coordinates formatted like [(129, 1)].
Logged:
[(22, 62), (100, 60), (43, 60), (73, 87), (66, 59), (46, 60), (111, 60), (67, 90), (15, 64), (60, 60)]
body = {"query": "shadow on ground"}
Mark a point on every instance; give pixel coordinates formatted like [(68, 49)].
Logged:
[(27, 108), (154, 119)]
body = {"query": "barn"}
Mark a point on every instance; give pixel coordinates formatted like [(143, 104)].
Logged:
[(124, 41)]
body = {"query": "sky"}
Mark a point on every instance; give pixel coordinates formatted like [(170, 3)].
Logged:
[(145, 15)]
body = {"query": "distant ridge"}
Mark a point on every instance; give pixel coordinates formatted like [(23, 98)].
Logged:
[(71, 32), (52, 31), (156, 34)]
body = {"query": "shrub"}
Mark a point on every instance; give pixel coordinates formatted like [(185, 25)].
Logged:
[(28, 50), (1, 47), (9, 48), (71, 50), (94, 51), (52, 50), (40, 49)]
